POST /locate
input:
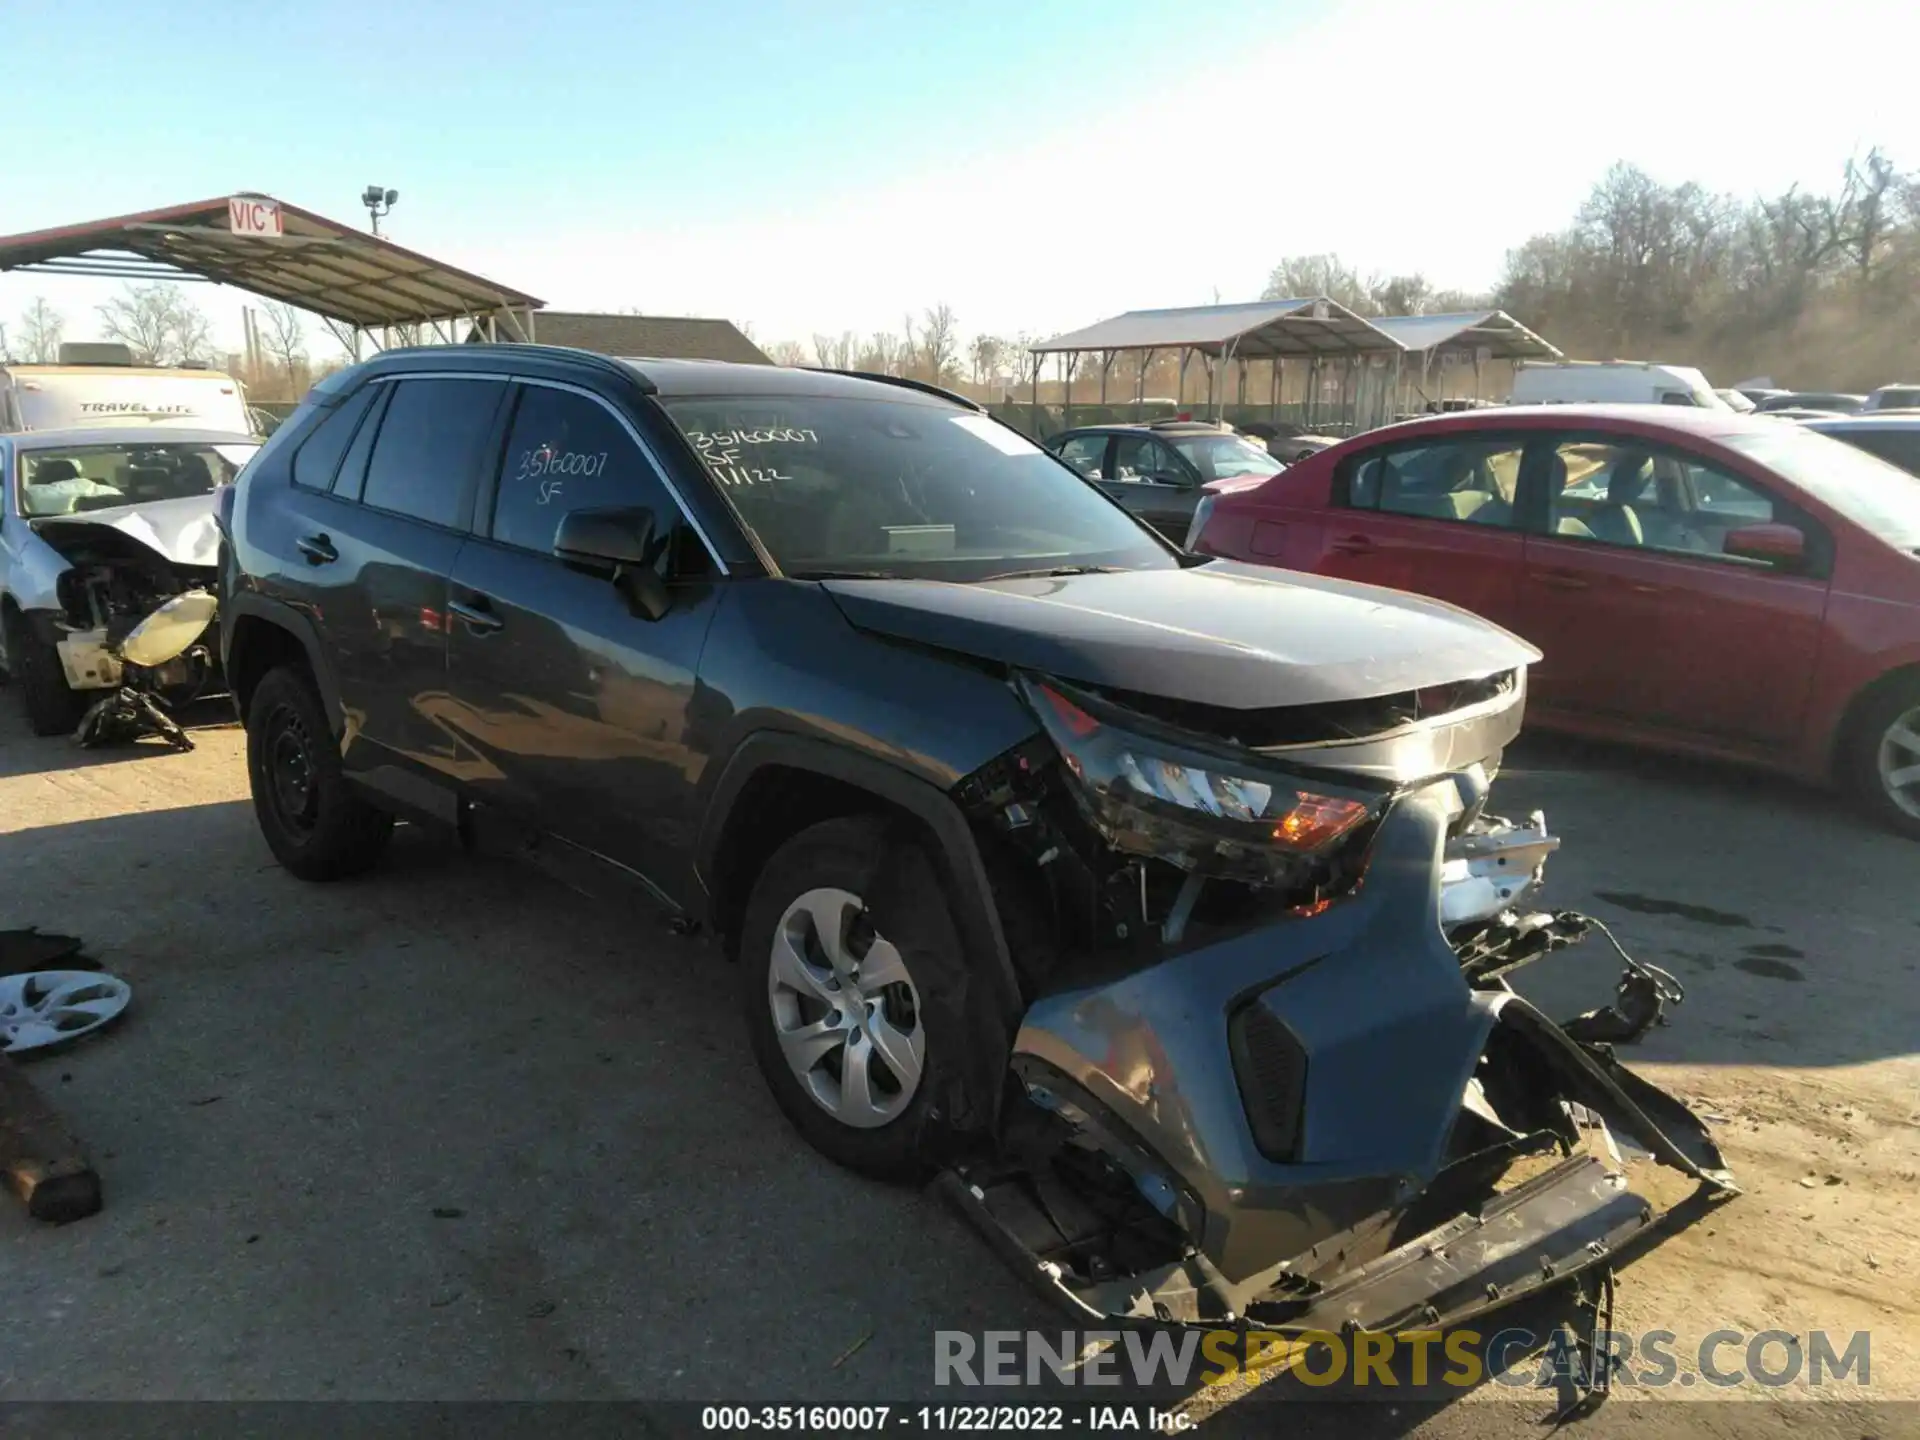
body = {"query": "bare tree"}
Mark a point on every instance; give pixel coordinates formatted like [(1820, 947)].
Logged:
[(157, 323), (984, 354), (909, 354), (6, 355), (286, 340), (940, 345), (41, 328), (1301, 277), (840, 353), (1402, 294), (787, 352)]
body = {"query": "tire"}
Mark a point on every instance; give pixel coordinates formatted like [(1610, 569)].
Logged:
[(860, 892), (51, 708), (1878, 749), (317, 825)]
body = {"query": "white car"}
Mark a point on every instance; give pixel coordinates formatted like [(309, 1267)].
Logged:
[(98, 529)]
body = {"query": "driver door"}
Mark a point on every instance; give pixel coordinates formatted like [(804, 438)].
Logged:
[(1644, 617), (570, 710)]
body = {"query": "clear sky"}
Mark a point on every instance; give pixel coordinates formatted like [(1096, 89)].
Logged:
[(830, 165)]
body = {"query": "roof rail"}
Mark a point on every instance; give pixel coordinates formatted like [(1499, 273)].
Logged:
[(532, 351), (903, 382)]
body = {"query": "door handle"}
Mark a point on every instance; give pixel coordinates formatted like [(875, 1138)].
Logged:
[(477, 612), (318, 549), (1352, 545), (1562, 579)]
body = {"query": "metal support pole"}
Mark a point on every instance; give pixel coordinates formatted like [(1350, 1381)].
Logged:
[(1140, 384), (1068, 363), (1033, 407), (1273, 390)]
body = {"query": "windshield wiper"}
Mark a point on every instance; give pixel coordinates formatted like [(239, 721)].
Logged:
[(839, 575), (1058, 570)]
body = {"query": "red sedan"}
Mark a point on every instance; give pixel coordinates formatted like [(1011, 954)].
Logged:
[(1700, 581)]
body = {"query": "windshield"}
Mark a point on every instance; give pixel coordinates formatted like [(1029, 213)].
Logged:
[(1222, 457), (1867, 490), (74, 479), (901, 488), (1897, 399)]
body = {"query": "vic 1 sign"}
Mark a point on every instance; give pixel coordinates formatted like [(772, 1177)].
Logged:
[(246, 216)]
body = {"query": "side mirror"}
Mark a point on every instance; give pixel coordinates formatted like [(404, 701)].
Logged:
[(1780, 545), (1169, 479), (621, 540)]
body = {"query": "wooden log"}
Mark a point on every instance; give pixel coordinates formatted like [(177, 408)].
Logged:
[(41, 1158)]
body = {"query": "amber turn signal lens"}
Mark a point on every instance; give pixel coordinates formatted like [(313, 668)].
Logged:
[(1316, 819)]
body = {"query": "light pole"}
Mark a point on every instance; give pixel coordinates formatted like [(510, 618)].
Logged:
[(378, 202)]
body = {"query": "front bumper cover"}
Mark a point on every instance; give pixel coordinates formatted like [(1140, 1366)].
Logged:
[(1394, 1145)]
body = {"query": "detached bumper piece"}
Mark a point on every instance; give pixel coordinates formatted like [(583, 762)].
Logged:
[(1348, 1121), (1510, 1219)]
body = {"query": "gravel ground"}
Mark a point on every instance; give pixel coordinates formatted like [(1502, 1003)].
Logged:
[(453, 1133)]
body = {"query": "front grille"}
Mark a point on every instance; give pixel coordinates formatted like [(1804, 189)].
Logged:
[(1270, 1068)]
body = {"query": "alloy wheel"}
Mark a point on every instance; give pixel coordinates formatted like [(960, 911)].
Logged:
[(1899, 762)]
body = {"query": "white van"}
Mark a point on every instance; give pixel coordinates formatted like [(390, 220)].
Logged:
[(96, 385), (1611, 382)]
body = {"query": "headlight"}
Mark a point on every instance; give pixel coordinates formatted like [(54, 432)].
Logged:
[(1148, 796), (1198, 523)]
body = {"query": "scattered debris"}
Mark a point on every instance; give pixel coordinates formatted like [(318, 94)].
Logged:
[(206, 1100), (852, 1350), (540, 1309), (30, 949), (44, 1008), (447, 1212), (41, 1158)]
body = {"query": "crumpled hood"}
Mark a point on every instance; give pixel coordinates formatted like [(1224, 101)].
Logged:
[(1238, 636), (183, 531)]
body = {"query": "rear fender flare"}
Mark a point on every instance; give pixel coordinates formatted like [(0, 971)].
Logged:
[(249, 605), (955, 851)]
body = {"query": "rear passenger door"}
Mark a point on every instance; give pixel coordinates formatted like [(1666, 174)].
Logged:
[(1436, 517), (1153, 482), (399, 463), (573, 712)]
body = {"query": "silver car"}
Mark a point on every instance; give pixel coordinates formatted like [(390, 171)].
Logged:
[(99, 528)]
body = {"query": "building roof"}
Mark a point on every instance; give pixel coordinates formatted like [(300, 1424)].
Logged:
[(1502, 335), (651, 336), (334, 270), (1263, 329)]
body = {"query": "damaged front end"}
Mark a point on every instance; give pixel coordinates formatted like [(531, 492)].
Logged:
[(1274, 1075), (132, 625)]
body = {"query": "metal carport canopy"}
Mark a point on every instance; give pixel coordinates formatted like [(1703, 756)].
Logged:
[(1495, 331), (1259, 330), (338, 272)]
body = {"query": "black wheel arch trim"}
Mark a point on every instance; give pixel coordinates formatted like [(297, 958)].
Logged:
[(957, 854), (249, 604)]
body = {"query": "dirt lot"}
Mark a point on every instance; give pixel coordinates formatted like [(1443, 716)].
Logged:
[(452, 1133)]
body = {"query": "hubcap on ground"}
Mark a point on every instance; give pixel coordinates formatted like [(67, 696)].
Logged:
[(1900, 762), (844, 1009), (290, 779)]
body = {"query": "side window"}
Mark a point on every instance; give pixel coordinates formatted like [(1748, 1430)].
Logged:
[(352, 478), (568, 452), (1896, 447), (428, 451), (318, 458), (1086, 453), (1462, 480), (1601, 490), (1142, 457), (1624, 494)]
